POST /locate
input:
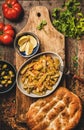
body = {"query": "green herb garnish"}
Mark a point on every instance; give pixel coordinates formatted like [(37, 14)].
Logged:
[(75, 62), (69, 20), (42, 24)]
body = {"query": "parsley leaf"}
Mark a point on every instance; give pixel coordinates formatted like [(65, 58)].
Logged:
[(69, 20), (42, 24)]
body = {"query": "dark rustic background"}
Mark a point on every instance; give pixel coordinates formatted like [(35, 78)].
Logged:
[(8, 100)]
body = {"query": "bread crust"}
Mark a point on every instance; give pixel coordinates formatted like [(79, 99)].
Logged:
[(59, 111)]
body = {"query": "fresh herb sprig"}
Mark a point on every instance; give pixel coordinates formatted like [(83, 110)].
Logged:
[(75, 63), (69, 19), (42, 24)]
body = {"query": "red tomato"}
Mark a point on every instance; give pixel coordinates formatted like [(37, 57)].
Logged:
[(7, 27), (1, 26), (11, 9), (6, 34), (10, 32), (6, 39)]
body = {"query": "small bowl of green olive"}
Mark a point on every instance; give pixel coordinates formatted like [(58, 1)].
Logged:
[(7, 76)]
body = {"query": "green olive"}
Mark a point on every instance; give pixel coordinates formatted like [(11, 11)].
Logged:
[(2, 73), (3, 81), (4, 66), (11, 73), (5, 77), (9, 82)]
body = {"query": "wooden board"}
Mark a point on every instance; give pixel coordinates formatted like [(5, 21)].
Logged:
[(7, 106), (80, 85), (50, 40)]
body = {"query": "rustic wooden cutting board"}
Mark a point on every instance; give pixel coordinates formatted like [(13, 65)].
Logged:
[(50, 40)]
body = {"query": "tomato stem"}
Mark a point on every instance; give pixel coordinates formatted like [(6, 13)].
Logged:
[(9, 5), (1, 32)]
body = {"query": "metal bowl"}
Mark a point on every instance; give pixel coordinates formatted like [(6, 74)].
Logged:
[(4, 73), (48, 92), (16, 46)]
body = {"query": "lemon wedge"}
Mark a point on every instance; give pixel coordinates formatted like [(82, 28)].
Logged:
[(33, 41), (23, 39), (22, 48), (29, 48)]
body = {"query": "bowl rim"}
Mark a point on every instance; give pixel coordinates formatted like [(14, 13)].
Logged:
[(29, 60), (22, 34), (5, 61)]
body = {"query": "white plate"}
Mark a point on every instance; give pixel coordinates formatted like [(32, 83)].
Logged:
[(48, 92)]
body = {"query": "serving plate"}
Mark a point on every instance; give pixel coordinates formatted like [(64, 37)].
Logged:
[(7, 76), (19, 81)]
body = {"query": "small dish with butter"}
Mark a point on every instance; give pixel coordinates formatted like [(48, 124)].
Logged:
[(26, 44)]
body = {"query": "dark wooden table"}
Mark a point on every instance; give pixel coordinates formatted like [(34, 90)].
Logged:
[(74, 48)]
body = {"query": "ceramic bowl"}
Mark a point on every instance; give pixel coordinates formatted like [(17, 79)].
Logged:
[(20, 85), (7, 76), (17, 47)]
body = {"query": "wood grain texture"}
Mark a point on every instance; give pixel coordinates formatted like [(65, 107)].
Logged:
[(79, 85), (8, 53), (50, 40)]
